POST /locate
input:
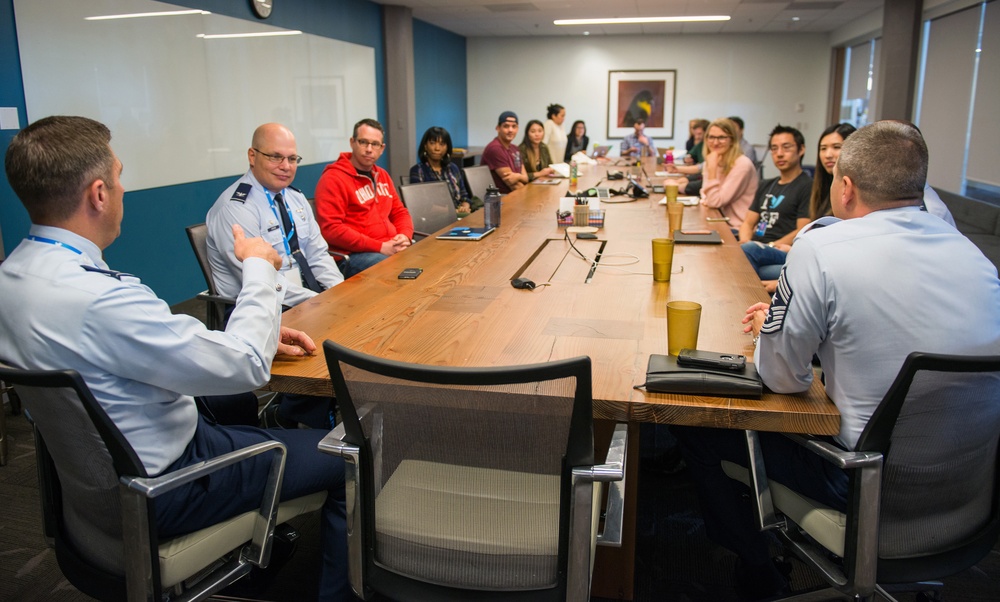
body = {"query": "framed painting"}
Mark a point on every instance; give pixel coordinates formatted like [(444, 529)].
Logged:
[(648, 95)]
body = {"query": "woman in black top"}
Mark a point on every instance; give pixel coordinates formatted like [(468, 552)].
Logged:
[(577, 140)]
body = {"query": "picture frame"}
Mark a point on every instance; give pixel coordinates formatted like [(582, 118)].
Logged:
[(651, 94)]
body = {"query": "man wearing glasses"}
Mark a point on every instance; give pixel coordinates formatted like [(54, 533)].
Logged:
[(264, 203), (359, 212)]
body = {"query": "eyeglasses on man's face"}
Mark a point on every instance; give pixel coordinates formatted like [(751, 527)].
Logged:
[(279, 159), (373, 144)]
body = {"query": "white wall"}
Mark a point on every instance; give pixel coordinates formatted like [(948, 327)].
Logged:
[(761, 77)]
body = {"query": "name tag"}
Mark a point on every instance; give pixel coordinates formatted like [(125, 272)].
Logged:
[(273, 228)]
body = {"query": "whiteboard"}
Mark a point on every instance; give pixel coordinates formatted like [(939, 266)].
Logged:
[(182, 108)]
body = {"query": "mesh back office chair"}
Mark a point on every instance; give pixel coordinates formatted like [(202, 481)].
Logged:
[(216, 305), (924, 498), (478, 179), (471, 483), (430, 205), (97, 502)]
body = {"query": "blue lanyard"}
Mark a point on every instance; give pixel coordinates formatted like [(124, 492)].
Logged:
[(57, 243), (89, 268), (291, 220)]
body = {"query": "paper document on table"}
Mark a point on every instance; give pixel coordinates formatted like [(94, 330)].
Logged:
[(561, 169)]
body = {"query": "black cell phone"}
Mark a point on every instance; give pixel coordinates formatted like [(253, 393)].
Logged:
[(711, 359), (410, 273), (586, 236)]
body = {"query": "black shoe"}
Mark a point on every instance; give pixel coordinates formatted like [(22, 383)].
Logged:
[(760, 582), (271, 419)]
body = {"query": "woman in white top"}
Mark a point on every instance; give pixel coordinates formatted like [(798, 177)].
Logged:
[(555, 137)]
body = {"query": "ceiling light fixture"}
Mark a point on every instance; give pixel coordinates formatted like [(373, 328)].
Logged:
[(259, 34), (169, 13), (640, 20)]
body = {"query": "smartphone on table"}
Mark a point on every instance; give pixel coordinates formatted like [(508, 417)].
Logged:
[(711, 359)]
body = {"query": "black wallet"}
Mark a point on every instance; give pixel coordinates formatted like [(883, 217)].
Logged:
[(665, 375)]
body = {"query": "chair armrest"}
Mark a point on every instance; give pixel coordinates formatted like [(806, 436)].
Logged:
[(835, 455), (333, 443), (612, 472), (152, 487), (863, 511), (134, 512), (206, 296)]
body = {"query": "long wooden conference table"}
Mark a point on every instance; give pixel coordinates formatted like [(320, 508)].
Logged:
[(463, 311)]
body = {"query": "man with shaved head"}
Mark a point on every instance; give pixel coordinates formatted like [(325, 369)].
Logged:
[(265, 204)]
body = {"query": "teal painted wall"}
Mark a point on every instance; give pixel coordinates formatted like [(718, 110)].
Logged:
[(440, 81)]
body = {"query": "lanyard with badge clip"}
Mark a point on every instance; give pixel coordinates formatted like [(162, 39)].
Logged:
[(274, 210), (89, 268)]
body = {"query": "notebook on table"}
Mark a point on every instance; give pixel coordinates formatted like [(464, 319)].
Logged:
[(464, 233), (703, 237)]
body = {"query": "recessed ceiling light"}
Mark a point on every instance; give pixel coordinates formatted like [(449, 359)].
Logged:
[(795, 18), (634, 20), (586, 33), (168, 13)]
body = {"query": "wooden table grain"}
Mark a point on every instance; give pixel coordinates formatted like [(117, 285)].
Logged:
[(462, 311)]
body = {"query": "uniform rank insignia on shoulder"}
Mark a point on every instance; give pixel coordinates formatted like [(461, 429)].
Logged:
[(242, 192), (120, 276), (295, 189), (779, 306)]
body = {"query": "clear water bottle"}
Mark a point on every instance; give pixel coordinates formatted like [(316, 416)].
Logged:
[(574, 173), (491, 208)]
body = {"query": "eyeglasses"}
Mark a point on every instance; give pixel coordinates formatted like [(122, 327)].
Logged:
[(374, 144), (278, 159), (717, 138), (785, 147)]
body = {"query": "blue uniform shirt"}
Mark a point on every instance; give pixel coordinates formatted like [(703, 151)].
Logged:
[(142, 362), (256, 217), (863, 294)]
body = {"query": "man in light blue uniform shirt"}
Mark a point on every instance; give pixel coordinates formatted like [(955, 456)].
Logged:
[(861, 294), (264, 203), (62, 308), (261, 202)]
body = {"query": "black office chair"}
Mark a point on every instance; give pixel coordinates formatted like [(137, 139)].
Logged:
[(472, 483), (405, 180), (478, 179), (924, 498), (216, 305), (15, 408), (97, 502), (430, 205)]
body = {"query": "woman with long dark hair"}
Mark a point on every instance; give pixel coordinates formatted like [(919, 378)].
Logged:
[(435, 165), (827, 154), (577, 140), (534, 153)]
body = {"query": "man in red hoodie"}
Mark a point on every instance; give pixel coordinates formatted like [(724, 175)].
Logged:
[(357, 207)]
